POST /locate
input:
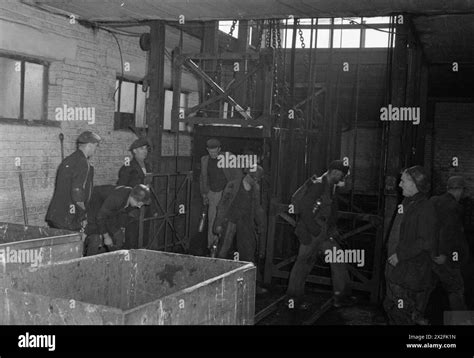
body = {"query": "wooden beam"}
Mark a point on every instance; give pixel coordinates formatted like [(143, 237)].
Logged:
[(224, 56), (155, 102), (176, 78), (261, 121)]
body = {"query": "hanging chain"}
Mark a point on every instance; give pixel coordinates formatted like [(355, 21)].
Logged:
[(231, 33), (261, 26), (268, 35), (283, 83)]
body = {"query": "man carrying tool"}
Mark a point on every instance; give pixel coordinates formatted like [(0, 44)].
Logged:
[(316, 231), (108, 215), (74, 181), (212, 182), (240, 214), (133, 173)]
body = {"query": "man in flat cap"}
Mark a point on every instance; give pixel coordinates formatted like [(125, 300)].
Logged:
[(74, 181), (452, 247), (212, 182), (109, 216), (133, 172), (130, 174), (411, 247), (317, 232)]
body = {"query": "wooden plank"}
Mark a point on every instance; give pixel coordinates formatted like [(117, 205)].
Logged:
[(321, 310), (176, 74), (155, 103), (268, 310), (235, 121), (224, 56)]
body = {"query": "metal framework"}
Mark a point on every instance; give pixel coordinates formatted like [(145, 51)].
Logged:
[(167, 211)]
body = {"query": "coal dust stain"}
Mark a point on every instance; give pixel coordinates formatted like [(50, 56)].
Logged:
[(169, 273)]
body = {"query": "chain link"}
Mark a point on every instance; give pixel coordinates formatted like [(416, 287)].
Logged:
[(231, 33)]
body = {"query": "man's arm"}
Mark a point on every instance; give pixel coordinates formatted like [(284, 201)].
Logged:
[(80, 173), (109, 210), (203, 185)]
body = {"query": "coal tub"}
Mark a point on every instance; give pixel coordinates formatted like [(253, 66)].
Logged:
[(30, 246), (134, 287)]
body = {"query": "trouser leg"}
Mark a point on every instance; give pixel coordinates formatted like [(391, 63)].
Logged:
[(226, 240), (339, 271), (452, 281), (214, 198), (246, 241), (307, 256)]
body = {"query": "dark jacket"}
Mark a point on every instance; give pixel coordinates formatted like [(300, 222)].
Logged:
[(229, 194), (131, 175), (230, 174), (450, 230), (74, 181), (416, 244), (318, 211), (108, 209)]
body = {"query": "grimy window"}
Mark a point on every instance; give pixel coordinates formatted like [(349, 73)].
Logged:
[(129, 104), (23, 84)]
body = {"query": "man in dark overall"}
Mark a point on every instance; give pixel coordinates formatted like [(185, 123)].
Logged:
[(108, 215), (240, 215), (212, 182), (411, 247), (132, 174), (316, 231), (74, 181), (452, 245)]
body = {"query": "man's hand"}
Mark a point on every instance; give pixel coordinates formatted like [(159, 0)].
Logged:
[(84, 223), (108, 240), (81, 205), (393, 260), (440, 260), (205, 199)]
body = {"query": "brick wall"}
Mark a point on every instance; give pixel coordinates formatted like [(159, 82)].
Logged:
[(453, 137), (84, 64)]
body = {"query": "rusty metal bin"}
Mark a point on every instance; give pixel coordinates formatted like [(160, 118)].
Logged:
[(28, 245), (135, 287)]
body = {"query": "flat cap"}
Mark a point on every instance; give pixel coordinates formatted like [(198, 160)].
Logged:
[(213, 143), (140, 142), (88, 137), (339, 165), (456, 182)]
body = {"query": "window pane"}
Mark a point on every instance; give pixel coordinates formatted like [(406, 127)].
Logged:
[(346, 38), (374, 38), (127, 97), (33, 105), (351, 20), (324, 21), (306, 33), (225, 26), (168, 107), (323, 38), (377, 20), (9, 88), (140, 110)]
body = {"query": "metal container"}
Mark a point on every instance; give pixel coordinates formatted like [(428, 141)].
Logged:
[(135, 287), (31, 246)]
